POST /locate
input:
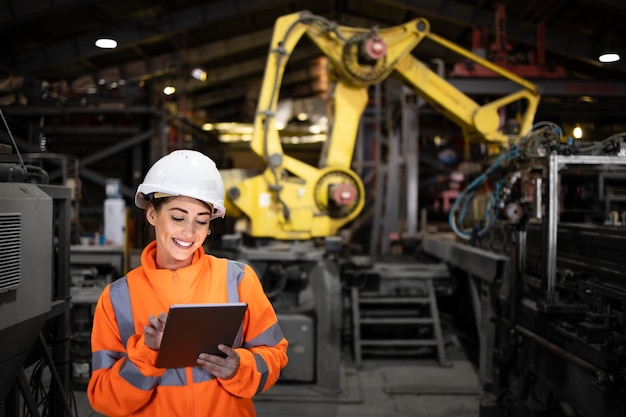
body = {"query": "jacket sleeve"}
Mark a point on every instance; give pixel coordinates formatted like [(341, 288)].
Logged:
[(123, 377), (264, 349)]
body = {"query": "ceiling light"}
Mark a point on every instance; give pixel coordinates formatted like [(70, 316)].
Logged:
[(106, 43), (578, 132), (169, 90), (609, 57), (315, 129), (199, 74)]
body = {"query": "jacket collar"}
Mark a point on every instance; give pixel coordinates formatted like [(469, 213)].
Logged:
[(182, 280)]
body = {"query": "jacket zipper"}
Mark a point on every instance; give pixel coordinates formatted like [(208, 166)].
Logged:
[(188, 371)]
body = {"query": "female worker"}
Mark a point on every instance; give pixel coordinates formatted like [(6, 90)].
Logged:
[(181, 194)]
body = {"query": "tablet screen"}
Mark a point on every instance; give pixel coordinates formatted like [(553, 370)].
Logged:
[(192, 329)]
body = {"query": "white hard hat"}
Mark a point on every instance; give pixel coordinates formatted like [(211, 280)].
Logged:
[(184, 173)]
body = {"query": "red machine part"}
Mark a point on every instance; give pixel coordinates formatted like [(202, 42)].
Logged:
[(344, 194), (375, 48), (532, 65)]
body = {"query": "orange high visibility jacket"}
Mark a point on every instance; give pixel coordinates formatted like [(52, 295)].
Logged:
[(125, 381)]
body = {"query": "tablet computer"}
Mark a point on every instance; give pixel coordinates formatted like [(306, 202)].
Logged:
[(192, 329)]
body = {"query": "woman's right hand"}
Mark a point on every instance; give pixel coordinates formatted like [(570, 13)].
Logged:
[(153, 331)]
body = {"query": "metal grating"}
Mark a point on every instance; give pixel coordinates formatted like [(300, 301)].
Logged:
[(10, 251)]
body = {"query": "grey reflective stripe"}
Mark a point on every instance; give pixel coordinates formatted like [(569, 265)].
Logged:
[(199, 374), (262, 367), (174, 377), (105, 359), (133, 376), (270, 337), (120, 298), (234, 273)]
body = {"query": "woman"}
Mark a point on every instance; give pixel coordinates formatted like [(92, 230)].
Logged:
[(181, 194)]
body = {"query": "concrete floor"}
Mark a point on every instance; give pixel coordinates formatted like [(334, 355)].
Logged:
[(380, 388)]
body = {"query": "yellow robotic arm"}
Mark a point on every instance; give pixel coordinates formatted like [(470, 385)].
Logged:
[(292, 200)]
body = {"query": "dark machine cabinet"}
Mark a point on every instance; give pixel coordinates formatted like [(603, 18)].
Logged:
[(552, 323), (299, 329), (34, 294)]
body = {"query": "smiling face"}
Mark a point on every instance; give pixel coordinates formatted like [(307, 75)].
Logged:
[(181, 224)]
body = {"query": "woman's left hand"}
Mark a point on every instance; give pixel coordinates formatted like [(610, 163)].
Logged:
[(224, 368)]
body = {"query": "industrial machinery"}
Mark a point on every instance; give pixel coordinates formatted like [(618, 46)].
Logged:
[(544, 259), (294, 211), (34, 291), (291, 200)]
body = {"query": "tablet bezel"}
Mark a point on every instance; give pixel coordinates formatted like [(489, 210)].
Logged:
[(192, 329)]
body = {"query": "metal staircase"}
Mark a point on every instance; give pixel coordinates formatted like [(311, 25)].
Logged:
[(401, 317)]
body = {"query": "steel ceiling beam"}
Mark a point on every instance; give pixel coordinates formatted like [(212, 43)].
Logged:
[(560, 42), (83, 46), (13, 11), (213, 98), (547, 87), (241, 69), (162, 65)]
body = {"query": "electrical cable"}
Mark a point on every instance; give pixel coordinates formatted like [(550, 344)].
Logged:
[(41, 386), (326, 26), (528, 143)]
